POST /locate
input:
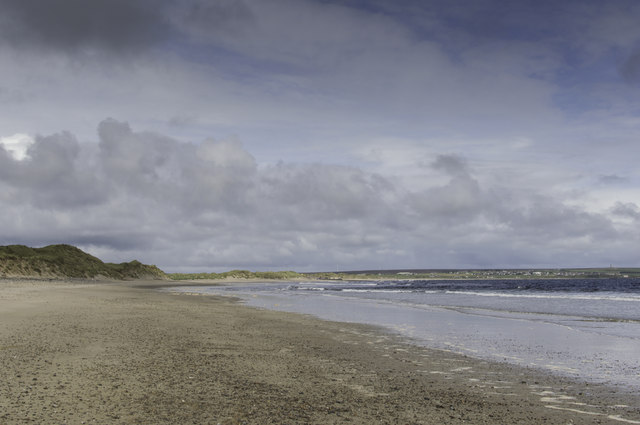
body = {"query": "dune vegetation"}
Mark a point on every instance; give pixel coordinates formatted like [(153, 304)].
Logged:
[(67, 261)]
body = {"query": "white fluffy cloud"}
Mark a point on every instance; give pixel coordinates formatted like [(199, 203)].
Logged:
[(16, 145)]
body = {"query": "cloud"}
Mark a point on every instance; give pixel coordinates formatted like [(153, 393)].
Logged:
[(378, 132), (628, 210), (630, 69), (203, 18), (286, 67), (16, 145), (212, 175), (72, 25), (461, 198), (453, 165), (210, 205), (51, 174), (321, 192), (611, 179)]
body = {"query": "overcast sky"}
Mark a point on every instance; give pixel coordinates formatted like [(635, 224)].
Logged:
[(204, 135)]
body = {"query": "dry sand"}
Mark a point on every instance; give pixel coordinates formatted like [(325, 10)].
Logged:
[(123, 353)]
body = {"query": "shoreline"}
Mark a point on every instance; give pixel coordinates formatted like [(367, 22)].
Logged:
[(123, 352), (549, 343)]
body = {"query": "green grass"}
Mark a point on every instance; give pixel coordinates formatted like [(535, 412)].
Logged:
[(67, 261)]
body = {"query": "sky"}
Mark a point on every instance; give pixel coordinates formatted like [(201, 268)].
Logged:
[(316, 135)]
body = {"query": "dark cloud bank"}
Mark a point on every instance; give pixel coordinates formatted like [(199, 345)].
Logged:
[(211, 206), (115, 25)]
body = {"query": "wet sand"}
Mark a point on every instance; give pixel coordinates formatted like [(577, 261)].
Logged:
[(123, 353)]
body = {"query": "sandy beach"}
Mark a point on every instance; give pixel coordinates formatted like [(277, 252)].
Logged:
[(125, 353)]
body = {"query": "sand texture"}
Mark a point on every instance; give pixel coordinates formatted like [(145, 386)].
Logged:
[(124, 353)]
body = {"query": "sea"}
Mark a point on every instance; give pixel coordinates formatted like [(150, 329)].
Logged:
[(583, 328)]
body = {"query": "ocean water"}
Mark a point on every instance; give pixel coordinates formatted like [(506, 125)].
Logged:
[(583, 328)]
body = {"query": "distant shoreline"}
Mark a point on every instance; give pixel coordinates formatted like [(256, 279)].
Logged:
[(64, 261)]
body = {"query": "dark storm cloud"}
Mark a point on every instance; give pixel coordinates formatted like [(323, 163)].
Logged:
[(211, 17), (113, 25)]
